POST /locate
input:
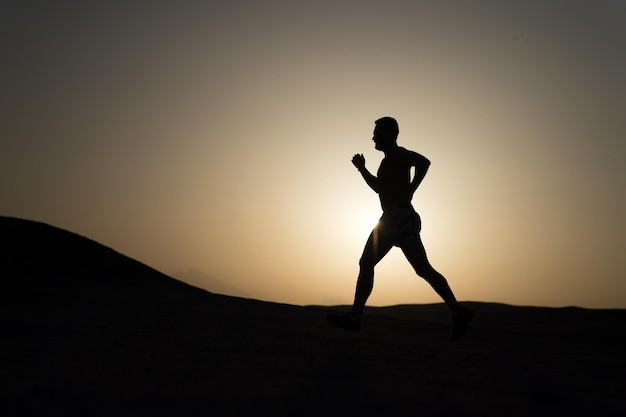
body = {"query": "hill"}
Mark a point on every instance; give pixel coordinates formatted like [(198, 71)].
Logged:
[(88, 331)]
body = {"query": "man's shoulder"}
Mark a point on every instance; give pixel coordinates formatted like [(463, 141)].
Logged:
[(404, 150), (412, 155)]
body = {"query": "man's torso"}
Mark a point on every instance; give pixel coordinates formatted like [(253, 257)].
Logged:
[(394, 175)]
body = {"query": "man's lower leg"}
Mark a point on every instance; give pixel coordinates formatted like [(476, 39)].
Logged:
[(364, 286), (441, 287)]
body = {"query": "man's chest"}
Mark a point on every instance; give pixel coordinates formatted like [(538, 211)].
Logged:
[(393, 170)]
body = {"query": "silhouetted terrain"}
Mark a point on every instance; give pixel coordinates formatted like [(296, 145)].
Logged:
[(87, 331)]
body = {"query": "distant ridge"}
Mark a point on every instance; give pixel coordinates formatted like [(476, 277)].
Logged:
[(50, 273), (49, 255)]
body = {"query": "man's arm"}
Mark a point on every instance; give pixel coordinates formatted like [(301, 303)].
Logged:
[(421, 165), (358, 161)]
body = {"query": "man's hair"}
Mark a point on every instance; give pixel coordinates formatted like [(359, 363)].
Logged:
[(388, 125)]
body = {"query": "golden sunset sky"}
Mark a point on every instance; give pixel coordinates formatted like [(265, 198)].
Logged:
[(212, 140)]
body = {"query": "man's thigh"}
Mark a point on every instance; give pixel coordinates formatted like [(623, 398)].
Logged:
[(415, 253), (376, 247)]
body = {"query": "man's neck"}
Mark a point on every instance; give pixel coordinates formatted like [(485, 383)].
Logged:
[(391, 149)]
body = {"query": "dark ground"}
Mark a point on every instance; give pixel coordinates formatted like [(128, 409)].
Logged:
[(86, 331)]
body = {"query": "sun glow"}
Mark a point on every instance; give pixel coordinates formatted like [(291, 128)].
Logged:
[(220, 137)]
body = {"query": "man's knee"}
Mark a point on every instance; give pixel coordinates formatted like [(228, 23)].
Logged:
[(426, 271)]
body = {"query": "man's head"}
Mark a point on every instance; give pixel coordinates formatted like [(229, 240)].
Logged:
[(385, 133)]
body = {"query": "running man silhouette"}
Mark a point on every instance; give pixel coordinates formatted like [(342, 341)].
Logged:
[(399, 226)]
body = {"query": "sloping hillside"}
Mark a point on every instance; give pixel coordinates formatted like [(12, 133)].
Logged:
[(48, 256)]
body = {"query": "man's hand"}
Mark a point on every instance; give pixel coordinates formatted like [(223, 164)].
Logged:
[(358, 161)]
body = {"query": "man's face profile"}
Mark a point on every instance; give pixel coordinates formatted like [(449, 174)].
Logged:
[(382, 138)]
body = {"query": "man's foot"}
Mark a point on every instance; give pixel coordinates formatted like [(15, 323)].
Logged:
[(460, 323), (344, 321)]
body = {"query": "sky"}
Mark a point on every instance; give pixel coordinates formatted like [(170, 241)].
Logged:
[(212, 140)]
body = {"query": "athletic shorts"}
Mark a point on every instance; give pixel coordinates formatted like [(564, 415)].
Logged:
[(400, 225)]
